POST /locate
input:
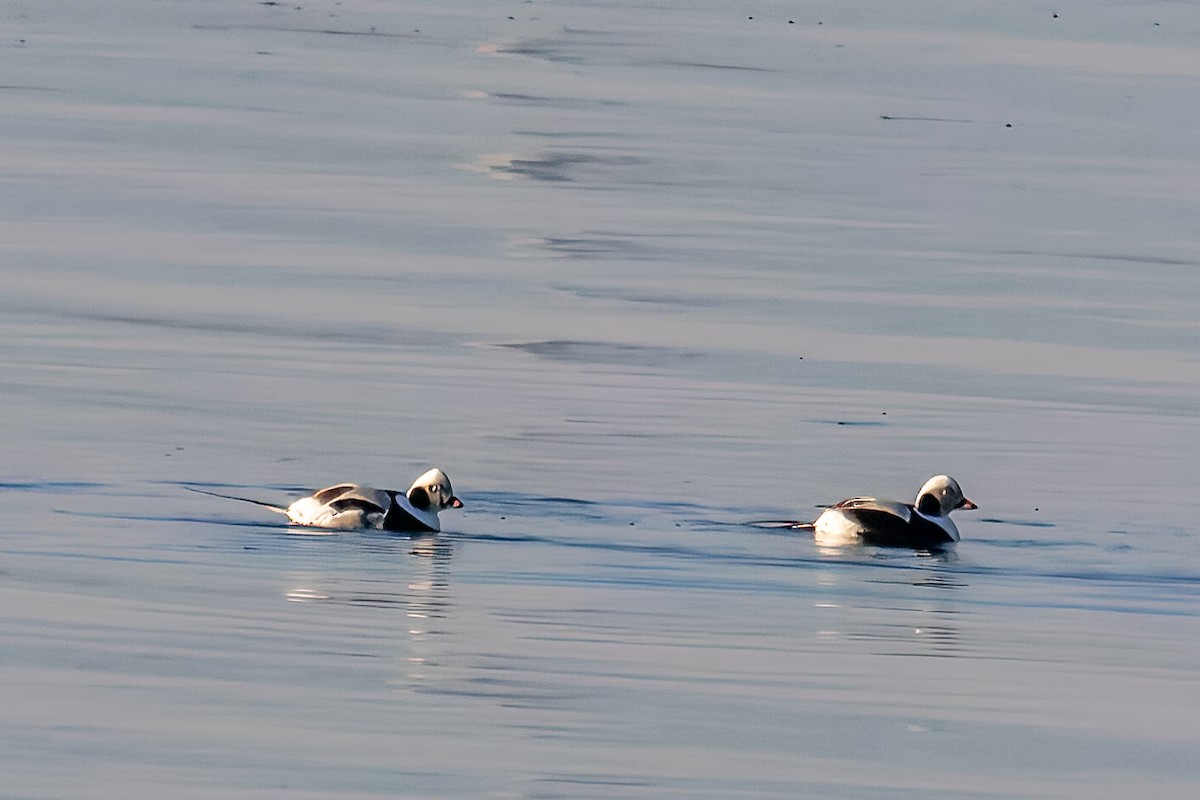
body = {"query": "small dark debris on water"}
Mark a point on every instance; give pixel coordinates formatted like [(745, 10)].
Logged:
[(1008, 124)]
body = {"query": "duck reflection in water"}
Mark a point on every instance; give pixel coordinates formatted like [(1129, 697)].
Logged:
[(408, 574)]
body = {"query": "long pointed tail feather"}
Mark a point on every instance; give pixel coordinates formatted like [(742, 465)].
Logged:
[(272, 506), (778, 523)]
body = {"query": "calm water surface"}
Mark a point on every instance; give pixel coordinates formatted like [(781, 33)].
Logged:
[(637, 276)]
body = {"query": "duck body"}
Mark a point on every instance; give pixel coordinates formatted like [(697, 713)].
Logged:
[(922, 525), (350, 506)]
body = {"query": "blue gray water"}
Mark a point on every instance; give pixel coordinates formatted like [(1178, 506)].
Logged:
[(637, 276)]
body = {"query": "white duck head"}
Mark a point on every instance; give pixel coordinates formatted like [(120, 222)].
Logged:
[(433, 492), (940, 495)]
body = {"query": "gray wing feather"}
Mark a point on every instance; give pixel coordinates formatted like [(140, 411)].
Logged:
[(874, 504), (333, 492), (352, 495)]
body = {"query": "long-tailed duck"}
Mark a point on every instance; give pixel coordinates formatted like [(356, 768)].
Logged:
[(922, 525), (348, 506)]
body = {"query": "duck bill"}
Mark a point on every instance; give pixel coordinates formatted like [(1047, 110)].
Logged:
[(967, 504), (456, 503)]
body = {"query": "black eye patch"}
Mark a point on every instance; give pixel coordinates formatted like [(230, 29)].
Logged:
[(929, 505), (419, 498)]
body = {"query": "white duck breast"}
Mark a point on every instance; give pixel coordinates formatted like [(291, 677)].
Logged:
[(869, 520)]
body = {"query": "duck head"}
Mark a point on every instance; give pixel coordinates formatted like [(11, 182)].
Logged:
[(433, 492), (940, 495)]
